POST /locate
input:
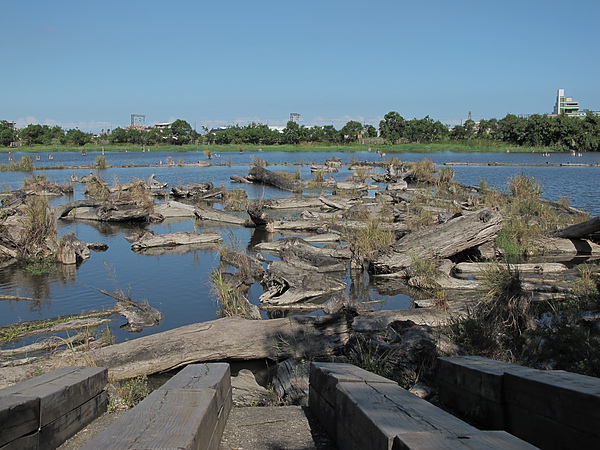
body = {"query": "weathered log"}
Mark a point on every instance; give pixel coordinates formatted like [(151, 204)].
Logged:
[(302, 255), (63, 210), (230, 338), (478, 268), (285, 284), (149, 239), (279, 245), (580, 230), (292, 202), (71, 250), (191, 190), (440, 241), (247, 265), (549, 245), (259, 217), (238, 179), (212, 193), (265, 176), (333, 204), (208, 213), (174, 209)]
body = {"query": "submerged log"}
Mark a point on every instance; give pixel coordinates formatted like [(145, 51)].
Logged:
[(285, 284), (265, 176), (440, 241), (580, 230), (149, 239)]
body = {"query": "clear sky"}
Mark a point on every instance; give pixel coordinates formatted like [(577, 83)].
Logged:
[(91, 64)]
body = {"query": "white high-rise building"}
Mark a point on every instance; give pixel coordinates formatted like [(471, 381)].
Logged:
[(565, 105)]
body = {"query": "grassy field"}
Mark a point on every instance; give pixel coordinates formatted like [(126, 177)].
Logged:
[(430, 147)]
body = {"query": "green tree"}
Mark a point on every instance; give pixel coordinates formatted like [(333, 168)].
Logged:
[(8, 133), (182, 132), (351, 131), (370, 131), (292, 133), (37, 134), (392, 126), (425, 130), (77, 137)]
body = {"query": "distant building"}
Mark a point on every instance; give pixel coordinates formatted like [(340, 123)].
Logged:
[(566, 105), (163, 126)]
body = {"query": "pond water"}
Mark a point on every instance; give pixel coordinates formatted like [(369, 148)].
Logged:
[(178, 283)]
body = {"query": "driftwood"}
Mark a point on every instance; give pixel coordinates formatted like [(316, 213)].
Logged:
[(248, 266), (550, 245), (302, 255), (285, 284), (139, 315), (478, 268), (580, 230), (259, 217), (149, 239), (174, 209), (292, 202), (208, 213), (278, 246), (440, 241), (265, 176), (191, 190), (71, 250), (238, 179)]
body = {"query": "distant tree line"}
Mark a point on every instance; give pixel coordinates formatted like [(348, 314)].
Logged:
[(558, 132)]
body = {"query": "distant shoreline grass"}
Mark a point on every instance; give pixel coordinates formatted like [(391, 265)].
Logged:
[(471, 146)]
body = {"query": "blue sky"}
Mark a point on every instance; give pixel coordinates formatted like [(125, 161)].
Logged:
[(91, 64)]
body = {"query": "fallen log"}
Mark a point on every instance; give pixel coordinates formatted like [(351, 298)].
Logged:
[(149, 239), (440, 241), (285, 284), (580, 230), (265, 176), (230, 338)]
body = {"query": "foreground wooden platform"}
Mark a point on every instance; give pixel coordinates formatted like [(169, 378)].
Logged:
[(552, 409), (43, 412), (188, 412), (363, 411)]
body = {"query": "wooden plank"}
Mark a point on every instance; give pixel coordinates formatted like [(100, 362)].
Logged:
[(547, 433), (66, 426), (567, 398), (473, 406), (19, 416), (29, 442), (439, 439), (324, 411), (61, 390), (173, 418), (373, 414), (195, 376)]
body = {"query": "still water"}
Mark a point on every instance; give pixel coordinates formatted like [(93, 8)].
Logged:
[(178, 283)]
